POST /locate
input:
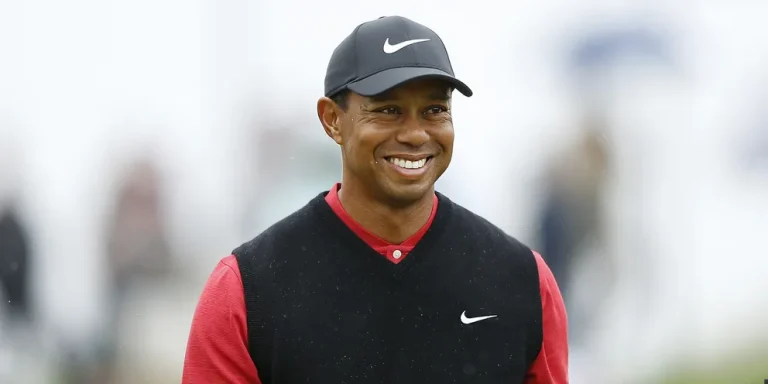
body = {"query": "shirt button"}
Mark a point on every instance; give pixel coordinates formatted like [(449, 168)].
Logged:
[(396, 254)]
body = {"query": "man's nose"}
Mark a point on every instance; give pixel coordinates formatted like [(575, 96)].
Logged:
[(413, 133)]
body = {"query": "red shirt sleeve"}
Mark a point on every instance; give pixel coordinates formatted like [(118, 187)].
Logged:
[(217, 350), (551, 366)]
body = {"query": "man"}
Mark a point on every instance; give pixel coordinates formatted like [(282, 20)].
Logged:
[(381, 279)]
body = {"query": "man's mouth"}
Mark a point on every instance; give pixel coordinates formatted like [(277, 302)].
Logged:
[(409, 163)]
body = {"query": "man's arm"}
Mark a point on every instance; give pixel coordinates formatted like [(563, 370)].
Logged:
[(217, 350), (551, 366)]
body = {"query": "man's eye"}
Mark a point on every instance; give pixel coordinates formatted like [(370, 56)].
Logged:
[(389, 110), (437, 109)]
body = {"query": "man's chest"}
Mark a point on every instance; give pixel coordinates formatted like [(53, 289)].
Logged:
[(405, 330)]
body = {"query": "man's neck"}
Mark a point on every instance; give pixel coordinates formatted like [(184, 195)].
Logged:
[(394, 225)]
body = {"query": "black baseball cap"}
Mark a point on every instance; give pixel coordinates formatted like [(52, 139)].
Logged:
[(385, 53)]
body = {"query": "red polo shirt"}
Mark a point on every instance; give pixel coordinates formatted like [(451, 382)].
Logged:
[(217, 350)]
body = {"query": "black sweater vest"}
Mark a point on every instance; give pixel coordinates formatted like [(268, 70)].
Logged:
[(323, 307)]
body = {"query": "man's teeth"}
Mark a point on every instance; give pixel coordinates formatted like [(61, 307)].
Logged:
[(408, 164)]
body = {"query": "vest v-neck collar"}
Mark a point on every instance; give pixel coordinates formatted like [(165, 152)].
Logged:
[(395, 253), (338, 231)]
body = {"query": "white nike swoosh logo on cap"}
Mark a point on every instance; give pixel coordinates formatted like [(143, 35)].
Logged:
[(470, 320), (394, 48)]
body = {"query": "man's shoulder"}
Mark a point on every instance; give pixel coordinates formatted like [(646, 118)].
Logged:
[(482, 229)]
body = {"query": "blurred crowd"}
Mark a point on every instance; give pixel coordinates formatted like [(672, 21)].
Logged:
[(637, 168)]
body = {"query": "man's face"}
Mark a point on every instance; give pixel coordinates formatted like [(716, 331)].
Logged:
[(399, 143)]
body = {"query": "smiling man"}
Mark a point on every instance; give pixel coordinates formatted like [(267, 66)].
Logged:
[(381, 279)]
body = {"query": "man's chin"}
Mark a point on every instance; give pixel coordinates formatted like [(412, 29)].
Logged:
[(404, 195)]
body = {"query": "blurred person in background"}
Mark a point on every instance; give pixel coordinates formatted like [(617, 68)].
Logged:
[(17, 321), (14, 264), (15, 284), (138, 248), (138, 256), (571, 228), (381, 279)]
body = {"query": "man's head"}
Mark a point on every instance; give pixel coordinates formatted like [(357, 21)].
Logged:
[(388, 105)]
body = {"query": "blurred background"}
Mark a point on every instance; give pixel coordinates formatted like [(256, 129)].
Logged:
[(141, 141)]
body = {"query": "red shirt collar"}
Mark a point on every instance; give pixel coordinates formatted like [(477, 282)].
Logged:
[(394, 252)]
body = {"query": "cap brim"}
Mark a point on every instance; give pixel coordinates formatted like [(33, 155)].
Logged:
[(385, 80)]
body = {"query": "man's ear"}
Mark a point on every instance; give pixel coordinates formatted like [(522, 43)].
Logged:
[(330, 116)]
